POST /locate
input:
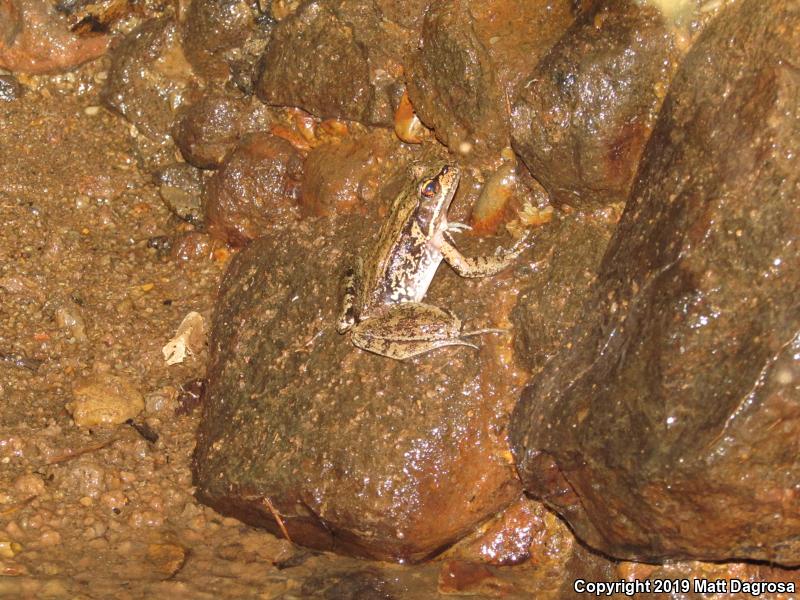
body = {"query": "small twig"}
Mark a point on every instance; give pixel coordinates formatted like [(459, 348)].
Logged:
[(278, 519), (144, 430), (69, 455)]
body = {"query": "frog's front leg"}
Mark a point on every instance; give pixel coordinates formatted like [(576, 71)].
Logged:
[(409, 329), (352, 279), (481, 266)]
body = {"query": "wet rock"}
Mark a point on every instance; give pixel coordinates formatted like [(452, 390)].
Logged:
[(570, 250), (583, 116), (210, 128), (105, 400), (668, 427), (226, 39), (342, 176), (507, 539), (35, 38), (257, 187), (10, 89), (350, 450), (472, 55), (181, 187), (360, 78), (216, 30), (149, 78)]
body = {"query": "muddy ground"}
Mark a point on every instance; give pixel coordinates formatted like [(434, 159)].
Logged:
[(95, 277), (90, 290)]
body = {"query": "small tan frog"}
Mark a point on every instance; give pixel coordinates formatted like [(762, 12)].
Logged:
[(383, 306)]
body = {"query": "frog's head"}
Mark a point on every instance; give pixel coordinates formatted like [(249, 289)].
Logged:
[(434, 195)]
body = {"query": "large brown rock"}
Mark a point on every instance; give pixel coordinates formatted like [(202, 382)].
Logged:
[(207, 130), (256, 189), (583, 116), (354, 451), (223, 38), (337, 60), (212, 27), (552, 300), (669, 426), (471, 57), (149, 78)]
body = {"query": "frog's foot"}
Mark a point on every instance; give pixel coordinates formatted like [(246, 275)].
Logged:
[(482, 331), (410, 329), (458, 227)]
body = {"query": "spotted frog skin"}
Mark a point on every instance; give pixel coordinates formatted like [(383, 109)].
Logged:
[(383, 308)]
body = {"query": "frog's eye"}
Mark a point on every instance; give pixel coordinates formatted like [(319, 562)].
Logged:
[(430, 188)]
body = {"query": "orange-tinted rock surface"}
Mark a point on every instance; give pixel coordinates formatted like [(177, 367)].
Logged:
[(348, 174), (35, 38)]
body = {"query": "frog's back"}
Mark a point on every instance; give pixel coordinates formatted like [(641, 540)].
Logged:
[(392, 249)]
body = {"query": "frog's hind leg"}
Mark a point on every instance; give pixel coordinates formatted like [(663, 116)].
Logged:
[(405, 349), (409, 329), (347, 316)]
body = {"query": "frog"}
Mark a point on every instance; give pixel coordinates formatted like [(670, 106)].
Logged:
[(383, 308)]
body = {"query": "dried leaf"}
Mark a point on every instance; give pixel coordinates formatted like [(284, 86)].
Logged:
[(189, 339)]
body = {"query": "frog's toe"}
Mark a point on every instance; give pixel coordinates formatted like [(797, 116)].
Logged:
[(487, 330), (457, 226)]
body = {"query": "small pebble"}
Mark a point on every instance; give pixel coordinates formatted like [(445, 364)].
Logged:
[(105, 399), (50, 537), (161, 400), (166, 558), (29, 485), (9, 549)]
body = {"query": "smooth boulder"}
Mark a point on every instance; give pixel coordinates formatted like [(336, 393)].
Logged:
[(583, 115), (668, 427), (471, 56), (338, 60), (349, 450)]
